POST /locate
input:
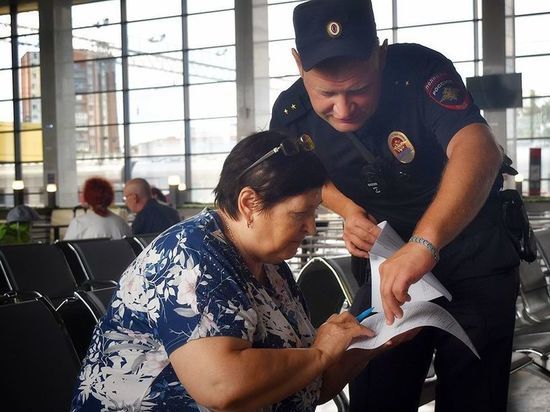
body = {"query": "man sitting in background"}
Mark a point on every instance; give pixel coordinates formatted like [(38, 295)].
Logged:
[(151, 216)]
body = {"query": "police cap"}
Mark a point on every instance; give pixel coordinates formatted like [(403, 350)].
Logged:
[(332, 28)]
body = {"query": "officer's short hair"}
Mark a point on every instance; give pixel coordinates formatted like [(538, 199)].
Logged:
[(326, 29), (273, 179)]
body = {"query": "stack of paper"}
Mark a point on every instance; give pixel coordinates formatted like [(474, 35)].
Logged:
[(416, 313)]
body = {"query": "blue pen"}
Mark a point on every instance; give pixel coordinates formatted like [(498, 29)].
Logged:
[(364, 314)]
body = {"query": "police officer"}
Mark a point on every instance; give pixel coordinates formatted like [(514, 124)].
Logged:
[(403, 141)]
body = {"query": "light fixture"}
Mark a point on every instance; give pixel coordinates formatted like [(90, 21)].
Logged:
[(18, 185), (182, 187), (518, 178), (51, 188)]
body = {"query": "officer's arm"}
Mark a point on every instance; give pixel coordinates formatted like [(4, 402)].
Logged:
[(474, 160), (360, 230)]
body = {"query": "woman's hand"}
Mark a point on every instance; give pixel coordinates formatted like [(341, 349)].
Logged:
[(335, 335), (360, 232)]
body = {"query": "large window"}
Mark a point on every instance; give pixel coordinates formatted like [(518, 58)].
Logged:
[(148, 105), (530, 55), (20, 105)]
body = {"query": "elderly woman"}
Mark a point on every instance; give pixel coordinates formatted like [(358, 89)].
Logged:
[(98, 194), (209, 317)]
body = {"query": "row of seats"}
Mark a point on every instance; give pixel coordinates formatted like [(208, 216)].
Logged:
[(78, 277), (328, 285)]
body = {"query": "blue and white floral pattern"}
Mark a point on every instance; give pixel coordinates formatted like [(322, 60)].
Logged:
[(188, 284)]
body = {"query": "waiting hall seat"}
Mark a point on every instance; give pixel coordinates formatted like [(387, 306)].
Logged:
[(97, 260), (328, 286), (140, 242), (40, 364)]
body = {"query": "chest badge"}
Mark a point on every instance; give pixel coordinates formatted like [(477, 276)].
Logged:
[(401, 147)]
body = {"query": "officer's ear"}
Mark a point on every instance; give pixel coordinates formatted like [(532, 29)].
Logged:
[(298, 61), (382, 51)]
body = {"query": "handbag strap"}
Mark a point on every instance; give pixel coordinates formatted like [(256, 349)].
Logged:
[(369, 157)]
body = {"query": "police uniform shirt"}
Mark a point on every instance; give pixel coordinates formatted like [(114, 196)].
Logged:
[(423, 105)]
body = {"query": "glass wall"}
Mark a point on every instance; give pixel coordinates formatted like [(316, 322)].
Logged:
[(20, 105), (155, 87), (148, 105), (531, 57)]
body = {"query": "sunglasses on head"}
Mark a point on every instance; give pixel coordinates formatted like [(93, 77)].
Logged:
[(289, 147)]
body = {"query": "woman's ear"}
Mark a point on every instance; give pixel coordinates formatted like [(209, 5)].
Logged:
[(247, 203)]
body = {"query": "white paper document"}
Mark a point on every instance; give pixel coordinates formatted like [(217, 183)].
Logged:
[(388, 242), (415, 314)]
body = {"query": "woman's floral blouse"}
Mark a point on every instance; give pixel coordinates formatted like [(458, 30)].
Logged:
[(189, 283)]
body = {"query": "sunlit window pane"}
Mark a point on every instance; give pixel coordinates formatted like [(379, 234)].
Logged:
[(529, 34), (99, 141), (198, 6), (5, 53), (6, 91), (27, 44), (141, 9), (281, 62), (465, 70), (385, 35), (156, 104), (206, 170), (280, 21), (96, 13), (213, 135), (202, 33), (7, 176), (6, 115), (5, 25), (33, 176), (534, 75), (212, 100), (31, 146), (531, 6), (155, 70), (6, 144), (27, 22), (100, 41), (533, 119), (212, 65), (153, 139), (411, 13), (276, 86), (382, 13), (98, 108), (31, 112), (96, 75), (437, 38), (110, 169), (157, 169), (154, 36), (522, 153)]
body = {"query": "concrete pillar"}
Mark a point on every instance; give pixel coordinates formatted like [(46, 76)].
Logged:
[(57, 88)]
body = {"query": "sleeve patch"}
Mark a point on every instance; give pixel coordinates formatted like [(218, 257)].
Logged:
[(446, 91)]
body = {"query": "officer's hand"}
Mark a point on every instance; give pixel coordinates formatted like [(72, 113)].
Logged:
[(398, 273), (360, 232)]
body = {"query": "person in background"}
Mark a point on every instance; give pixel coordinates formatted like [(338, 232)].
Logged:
[(151, 216), (158, 195), (18, 226), (98, 221), (403, 142), (209, 316)]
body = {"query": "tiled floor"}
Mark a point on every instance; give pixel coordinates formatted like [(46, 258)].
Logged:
[(528, 393)]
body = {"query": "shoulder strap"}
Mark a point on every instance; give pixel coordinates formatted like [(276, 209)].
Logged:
[(369, 157)]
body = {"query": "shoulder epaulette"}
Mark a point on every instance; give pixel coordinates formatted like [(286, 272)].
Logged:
[(292, 104)]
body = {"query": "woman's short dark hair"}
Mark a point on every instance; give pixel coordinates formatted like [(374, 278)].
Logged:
[(98, 193), (274, 179)]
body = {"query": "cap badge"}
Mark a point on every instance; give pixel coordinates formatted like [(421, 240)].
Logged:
[(401, 147), (334, 29)]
